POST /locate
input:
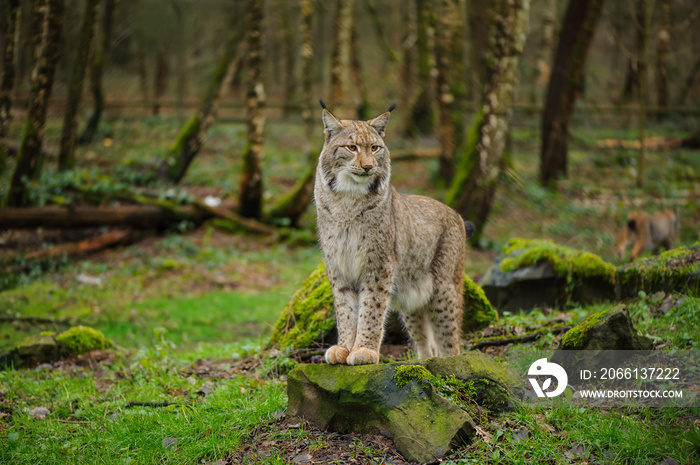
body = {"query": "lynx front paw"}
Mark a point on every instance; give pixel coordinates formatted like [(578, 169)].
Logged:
[(337, 354), (363, 356)]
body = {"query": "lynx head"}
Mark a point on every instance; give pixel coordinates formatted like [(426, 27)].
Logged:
[(354, 159)]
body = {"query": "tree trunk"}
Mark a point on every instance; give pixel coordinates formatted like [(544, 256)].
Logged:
[(192, 134), (421, 118), (181, 57), (575, 38), (160, 79), (251, 187), (631, 87), (479, 34), (361, 101), (689, 82), (8, 77), (340, 59), (408, 51), (100, 54), (446, 27), (289, 56), (66, 155), (643, 89), (295, 203), (474, 185), (545, 53), (662, 49), (48, 16)]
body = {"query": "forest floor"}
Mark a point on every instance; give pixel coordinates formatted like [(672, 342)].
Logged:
[(190, 312)]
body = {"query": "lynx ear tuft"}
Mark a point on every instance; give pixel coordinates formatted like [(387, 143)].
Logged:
[(323, 105), (392, 107)]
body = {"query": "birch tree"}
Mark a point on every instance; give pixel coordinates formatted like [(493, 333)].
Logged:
[(251, 186)]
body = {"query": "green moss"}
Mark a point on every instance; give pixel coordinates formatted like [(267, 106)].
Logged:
[(478, 311), (81, 339), (673, 270), (308, 315), (577, 336), (455, 390), (565, 262)]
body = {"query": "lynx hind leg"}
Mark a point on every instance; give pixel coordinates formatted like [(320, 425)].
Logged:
[(446, 318), (418, 326)]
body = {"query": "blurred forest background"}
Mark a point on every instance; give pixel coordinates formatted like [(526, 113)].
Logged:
[(157, 161), (549, 117)]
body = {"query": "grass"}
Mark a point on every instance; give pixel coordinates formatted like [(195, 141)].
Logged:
[(90, 422), (191, 310)]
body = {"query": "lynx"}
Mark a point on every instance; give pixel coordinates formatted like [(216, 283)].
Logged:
[(649, 231), (384, 249)]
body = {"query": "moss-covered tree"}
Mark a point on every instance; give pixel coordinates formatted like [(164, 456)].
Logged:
[(66, 155), (251, 186), (48, 15), (580, 20), (97, 70), (192, 134), (8, 77), (474, 184)]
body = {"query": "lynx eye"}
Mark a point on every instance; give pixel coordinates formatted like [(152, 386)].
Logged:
[(375, 148), (352, 148)]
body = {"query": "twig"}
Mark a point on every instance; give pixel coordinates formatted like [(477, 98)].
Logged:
[(518, 339), (143, 403)]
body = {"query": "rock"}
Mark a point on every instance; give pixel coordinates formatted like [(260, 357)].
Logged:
[(308, 321), (676, 270), (39, 412), (591, 342), (81, 339), (538, 273), (45, 348), (31, 351), (406, 401)]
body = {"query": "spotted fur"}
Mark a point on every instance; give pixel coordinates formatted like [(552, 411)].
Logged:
[(384, 250)]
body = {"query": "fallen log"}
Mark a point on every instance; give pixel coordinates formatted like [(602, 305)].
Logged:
[(157, 214), (137, 216), (89, 245)]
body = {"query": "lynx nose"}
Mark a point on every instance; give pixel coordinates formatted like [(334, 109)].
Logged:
[(367, 167)]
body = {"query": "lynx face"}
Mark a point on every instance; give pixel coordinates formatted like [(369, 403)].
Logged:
[(354, 159)]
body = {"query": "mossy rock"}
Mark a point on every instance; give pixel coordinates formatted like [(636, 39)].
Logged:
[(424, 405), (307, 320), (48, 347), (599, 337), (675, 270), (537, 273), (81, 339)]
